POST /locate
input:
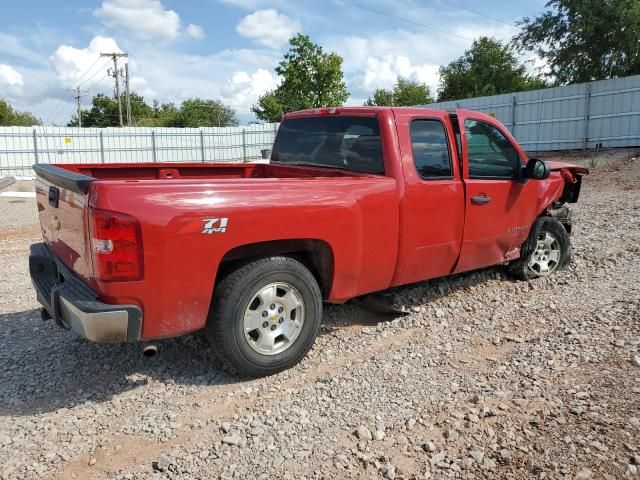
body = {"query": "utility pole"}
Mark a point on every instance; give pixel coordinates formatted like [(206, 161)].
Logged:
[(78, 96), (116, 75), (128, 97)]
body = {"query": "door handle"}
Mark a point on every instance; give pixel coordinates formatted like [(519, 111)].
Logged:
[(480, 200)]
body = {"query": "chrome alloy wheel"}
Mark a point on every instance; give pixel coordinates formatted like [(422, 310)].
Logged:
[(546, 256), (274, 318)]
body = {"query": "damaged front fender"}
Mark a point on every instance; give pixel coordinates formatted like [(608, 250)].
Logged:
[(572, 176)]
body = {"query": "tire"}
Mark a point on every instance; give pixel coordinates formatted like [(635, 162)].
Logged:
[(538, 250), (281, 338)]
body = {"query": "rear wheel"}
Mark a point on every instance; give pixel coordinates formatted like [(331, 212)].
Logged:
[(266, 316), (547, 250)]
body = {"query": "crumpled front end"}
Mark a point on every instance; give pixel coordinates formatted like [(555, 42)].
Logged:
[(572, 176)]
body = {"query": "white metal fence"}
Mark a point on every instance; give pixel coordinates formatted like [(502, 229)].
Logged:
[(21, 147), (604, 113)]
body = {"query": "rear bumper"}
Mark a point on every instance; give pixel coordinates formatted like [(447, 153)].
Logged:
[(73, 305)]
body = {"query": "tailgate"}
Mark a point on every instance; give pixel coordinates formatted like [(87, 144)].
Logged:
[(62, 198)]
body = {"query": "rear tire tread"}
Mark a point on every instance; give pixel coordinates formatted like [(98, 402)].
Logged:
[(222, 322)]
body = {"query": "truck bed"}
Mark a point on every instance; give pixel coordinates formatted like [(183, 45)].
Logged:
[(156, 171), (260, 204)]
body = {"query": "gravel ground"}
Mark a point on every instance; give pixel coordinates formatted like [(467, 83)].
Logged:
[(17, 212), (486, 378)]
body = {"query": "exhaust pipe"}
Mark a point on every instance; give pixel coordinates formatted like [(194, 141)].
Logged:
[(150, 351)]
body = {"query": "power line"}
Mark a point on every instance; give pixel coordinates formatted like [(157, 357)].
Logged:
[(86, 71), (56, 110), (65, 113), (97, 82), (56, 107), (69, 113), (94, 73), (60, 101), (478, 13), (423, 25)]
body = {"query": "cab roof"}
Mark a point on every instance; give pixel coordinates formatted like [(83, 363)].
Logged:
[(357, 111)]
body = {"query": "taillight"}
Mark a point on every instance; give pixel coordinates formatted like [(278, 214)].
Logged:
[(116, 246)]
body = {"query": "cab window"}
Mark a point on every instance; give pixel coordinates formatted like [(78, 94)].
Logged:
[(489, 153), (346, 142)]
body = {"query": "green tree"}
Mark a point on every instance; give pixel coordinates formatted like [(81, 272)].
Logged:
[(311, 78), (163, 115), (104, 111), (270, 108), (194, 112), (585, 40), (198, 112), (405, 93), (489, 67), (9, 117), (381, 97)]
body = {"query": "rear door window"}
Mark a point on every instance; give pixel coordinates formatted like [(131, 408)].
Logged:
[(430, 149)]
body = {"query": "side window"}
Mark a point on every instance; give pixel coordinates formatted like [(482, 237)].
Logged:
[(430, 149), (490, 154)]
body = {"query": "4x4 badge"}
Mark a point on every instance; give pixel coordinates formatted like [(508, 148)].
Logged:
[(215, 225)]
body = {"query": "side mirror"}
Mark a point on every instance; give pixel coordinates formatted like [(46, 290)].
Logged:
[(536, 169)]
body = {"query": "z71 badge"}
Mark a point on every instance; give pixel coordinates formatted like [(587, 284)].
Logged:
[(215, 225)]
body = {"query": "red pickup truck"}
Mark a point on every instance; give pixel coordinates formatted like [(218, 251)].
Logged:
[(353, 201)]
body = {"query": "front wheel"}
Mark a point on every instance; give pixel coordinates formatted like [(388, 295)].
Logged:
[(266, 316), (547, 250)]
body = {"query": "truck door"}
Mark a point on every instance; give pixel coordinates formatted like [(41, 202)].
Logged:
[(499, 209), (432, 209)]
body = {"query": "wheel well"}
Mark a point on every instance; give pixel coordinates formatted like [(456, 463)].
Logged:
[(314, 254), (559, 211)]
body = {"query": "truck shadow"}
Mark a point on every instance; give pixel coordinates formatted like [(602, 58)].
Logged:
[(45, 368), (407, 298)]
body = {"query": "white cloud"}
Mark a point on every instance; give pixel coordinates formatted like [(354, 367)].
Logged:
[(205, 76), (242, 89), (71, 63), (141, 87), (195, 31), (146, 19), (9, 76), (375, 61), (383, 72), (251, 4), (373, 56), (268, 27)]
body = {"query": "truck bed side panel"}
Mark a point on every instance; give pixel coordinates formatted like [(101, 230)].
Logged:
[(356, 216)]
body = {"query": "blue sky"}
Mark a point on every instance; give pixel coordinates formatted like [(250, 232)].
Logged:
[(227, 49)]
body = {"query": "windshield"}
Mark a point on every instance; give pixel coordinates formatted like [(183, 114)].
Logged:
[(351, 143)]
